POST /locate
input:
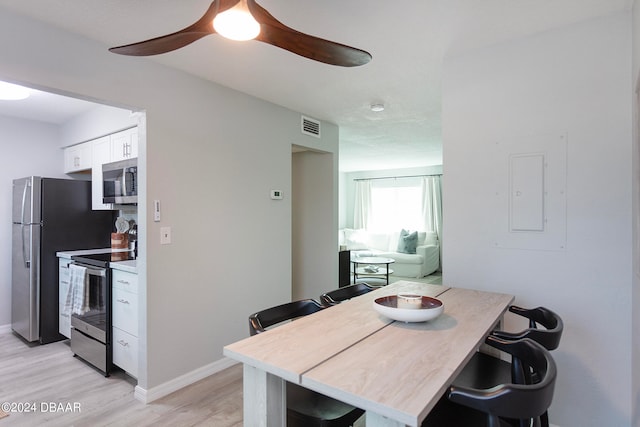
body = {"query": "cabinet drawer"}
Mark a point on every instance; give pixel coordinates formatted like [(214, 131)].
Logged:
[(64, 262), (125, 281), (64, 322), (125, 311), (63, 289), (63, 280), (125, 351)]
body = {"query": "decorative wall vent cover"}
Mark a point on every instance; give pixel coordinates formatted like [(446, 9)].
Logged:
[(310, 127)]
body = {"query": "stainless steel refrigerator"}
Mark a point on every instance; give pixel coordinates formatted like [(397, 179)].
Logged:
[(49, 215)]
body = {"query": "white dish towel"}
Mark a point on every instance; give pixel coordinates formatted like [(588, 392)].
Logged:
[(77, 301)]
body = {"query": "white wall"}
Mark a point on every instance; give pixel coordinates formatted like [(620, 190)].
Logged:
[(575, 80), (314, 187), (636, 215), (231, 249), (29, 148)]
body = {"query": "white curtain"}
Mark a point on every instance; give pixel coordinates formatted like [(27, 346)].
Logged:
[(432, 204), (362, 207)]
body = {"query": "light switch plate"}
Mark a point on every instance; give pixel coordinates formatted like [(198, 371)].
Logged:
[(165, 235)]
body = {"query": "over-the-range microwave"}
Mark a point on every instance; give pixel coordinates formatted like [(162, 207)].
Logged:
[(120, 182)]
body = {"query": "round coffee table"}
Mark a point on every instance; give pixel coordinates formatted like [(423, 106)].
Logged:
[(375, 267)]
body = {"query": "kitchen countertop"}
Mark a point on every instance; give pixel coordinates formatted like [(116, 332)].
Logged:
[(128, 266)]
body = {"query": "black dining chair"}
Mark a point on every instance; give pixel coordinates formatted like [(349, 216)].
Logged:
[(503, 404), (484, 370), (346, 292), (305, 408), (260, 321)]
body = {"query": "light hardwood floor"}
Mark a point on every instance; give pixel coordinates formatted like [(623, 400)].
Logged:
[(49, 373)]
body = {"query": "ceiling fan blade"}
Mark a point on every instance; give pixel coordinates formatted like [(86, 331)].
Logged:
[(162, 44), (182, 38), (277, 34)]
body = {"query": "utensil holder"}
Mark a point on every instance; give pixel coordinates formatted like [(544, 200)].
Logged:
[(119, 241)]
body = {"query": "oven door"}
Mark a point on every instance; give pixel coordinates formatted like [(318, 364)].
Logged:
[(94, 321), (91, 330)]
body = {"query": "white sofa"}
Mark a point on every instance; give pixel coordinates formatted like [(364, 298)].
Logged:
[(425, 261)]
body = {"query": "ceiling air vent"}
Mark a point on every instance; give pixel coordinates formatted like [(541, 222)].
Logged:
[(310, 127)]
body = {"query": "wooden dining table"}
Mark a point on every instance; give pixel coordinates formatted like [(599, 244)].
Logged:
[(395, 371)]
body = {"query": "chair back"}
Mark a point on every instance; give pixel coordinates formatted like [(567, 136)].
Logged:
[(549, 337), (260, 321), (345, 293), (514, 401)]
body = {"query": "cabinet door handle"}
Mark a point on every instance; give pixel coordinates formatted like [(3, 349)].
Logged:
[(123, 343), (123, 301)]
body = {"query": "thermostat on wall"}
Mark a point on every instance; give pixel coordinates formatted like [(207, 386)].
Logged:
[(276, 194)]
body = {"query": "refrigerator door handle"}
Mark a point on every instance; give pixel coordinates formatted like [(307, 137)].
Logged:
[(27, 262), (27, 184)]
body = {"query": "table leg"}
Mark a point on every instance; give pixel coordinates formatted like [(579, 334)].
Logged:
[(387, 274), (265, 398), (355, 274), (376, 420)]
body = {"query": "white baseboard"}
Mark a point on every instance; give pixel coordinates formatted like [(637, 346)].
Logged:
[(5, 329), (148, 396)]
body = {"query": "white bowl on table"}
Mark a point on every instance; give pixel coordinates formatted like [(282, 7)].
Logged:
[(409, 307)]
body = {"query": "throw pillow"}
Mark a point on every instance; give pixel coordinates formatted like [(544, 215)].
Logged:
[(408, 242)]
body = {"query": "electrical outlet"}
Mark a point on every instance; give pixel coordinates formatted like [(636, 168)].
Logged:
[(165, 235)]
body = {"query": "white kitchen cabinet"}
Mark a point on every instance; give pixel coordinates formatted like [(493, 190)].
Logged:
[(64, 319), (101, 154), (125, 311), (124, 320), (125, 351), (124, 145), (77, 158)]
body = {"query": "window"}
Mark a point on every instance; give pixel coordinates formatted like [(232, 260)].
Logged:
[(396, 204), (391, 204)]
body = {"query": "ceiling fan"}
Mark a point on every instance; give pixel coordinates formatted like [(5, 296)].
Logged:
[(226, 16)]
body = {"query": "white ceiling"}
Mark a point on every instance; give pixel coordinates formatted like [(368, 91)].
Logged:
[(45, 107), (408, 40)]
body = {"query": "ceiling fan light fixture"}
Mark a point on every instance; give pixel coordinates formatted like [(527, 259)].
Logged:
[(11, 92), (237, 23)]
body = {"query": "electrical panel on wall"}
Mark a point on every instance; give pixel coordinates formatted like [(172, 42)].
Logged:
[(530, 192)]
